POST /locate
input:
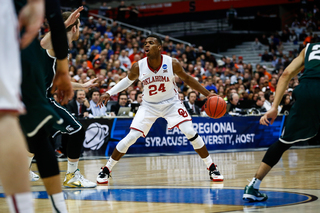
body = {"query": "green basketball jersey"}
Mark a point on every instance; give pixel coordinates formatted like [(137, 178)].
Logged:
[(50, 71), (312, 61)]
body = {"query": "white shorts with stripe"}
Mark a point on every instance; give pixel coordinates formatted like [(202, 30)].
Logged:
[(10, 67), (173, 110)]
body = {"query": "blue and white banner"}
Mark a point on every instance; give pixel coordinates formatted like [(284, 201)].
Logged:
[(218, 134)]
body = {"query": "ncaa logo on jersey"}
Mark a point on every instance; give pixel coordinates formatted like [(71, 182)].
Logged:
[(165, 67)]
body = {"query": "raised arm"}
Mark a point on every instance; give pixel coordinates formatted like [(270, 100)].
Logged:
[(179, 71), (292, 70), (122, 85), (46, 41), (31, 18), (61, 81)]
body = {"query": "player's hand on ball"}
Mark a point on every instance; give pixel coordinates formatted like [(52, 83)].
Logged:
[(211, 94), (103, 98), (272, 113)]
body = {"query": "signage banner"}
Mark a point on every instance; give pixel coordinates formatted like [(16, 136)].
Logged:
[(97, 136), (218, 134)]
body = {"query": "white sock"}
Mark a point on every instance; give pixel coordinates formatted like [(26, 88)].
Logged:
[(110, 164), (207, 161), (72, 166), (255, 183), (58, 203), (20, 202), (30, 161)]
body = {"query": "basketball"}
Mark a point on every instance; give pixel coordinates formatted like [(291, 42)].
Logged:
[(215, 107)]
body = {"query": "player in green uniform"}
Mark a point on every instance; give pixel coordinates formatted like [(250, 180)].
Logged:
[(303, 120), (39, 114), (70, 126)]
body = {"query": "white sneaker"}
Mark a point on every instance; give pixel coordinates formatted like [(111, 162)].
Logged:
[(103, 176), (76, 180), (33, 176)]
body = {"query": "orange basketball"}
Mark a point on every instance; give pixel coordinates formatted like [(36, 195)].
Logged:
[(215, 107)]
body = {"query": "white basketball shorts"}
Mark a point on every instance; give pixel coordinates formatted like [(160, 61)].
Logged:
[(10, 67), (173, 110)]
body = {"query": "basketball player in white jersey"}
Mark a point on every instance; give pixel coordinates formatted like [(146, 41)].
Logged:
[(160, 99), (13, 157)]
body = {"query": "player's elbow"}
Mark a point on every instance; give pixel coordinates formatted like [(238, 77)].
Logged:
[(287, 74), (44, 44)]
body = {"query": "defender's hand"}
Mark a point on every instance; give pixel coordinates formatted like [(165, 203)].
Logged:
[(91, 83), (105, 97)]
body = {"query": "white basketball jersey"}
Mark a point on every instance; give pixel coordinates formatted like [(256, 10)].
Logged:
[(158, 85)]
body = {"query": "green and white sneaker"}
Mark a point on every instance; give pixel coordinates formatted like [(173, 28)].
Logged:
[(251, 194)]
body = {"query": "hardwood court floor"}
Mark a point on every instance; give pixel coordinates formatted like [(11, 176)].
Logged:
[(181, 184)]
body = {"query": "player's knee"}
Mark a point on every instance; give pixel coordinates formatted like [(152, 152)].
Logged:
[(130, 139), (191, 134), (275, 152), (196, 142), (187, 129)]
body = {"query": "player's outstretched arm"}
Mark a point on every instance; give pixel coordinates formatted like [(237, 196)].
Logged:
[(122, 85), (46, 41), (191, 81), (292, 70), (31, 18), (88, 84)]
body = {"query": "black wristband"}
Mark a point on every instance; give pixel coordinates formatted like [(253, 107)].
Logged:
[(58, 30)]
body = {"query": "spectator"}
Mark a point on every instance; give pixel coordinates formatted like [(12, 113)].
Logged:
[(90, 23), (233, 103), (284, 36), (102, 28), (96, 46), (303, 36), (181, 96), (256, 44), (79, 105), (103, 9), (190, 104), (266, 56), (122, 9), (122, 102), (132, 96), (124, 60), (264, 40), (85, 12), (210, 86), (259, 105), (96, 111), (293, 37), (133, 14), (138, 97), (285, 104), (190, 54), (231, 15)]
